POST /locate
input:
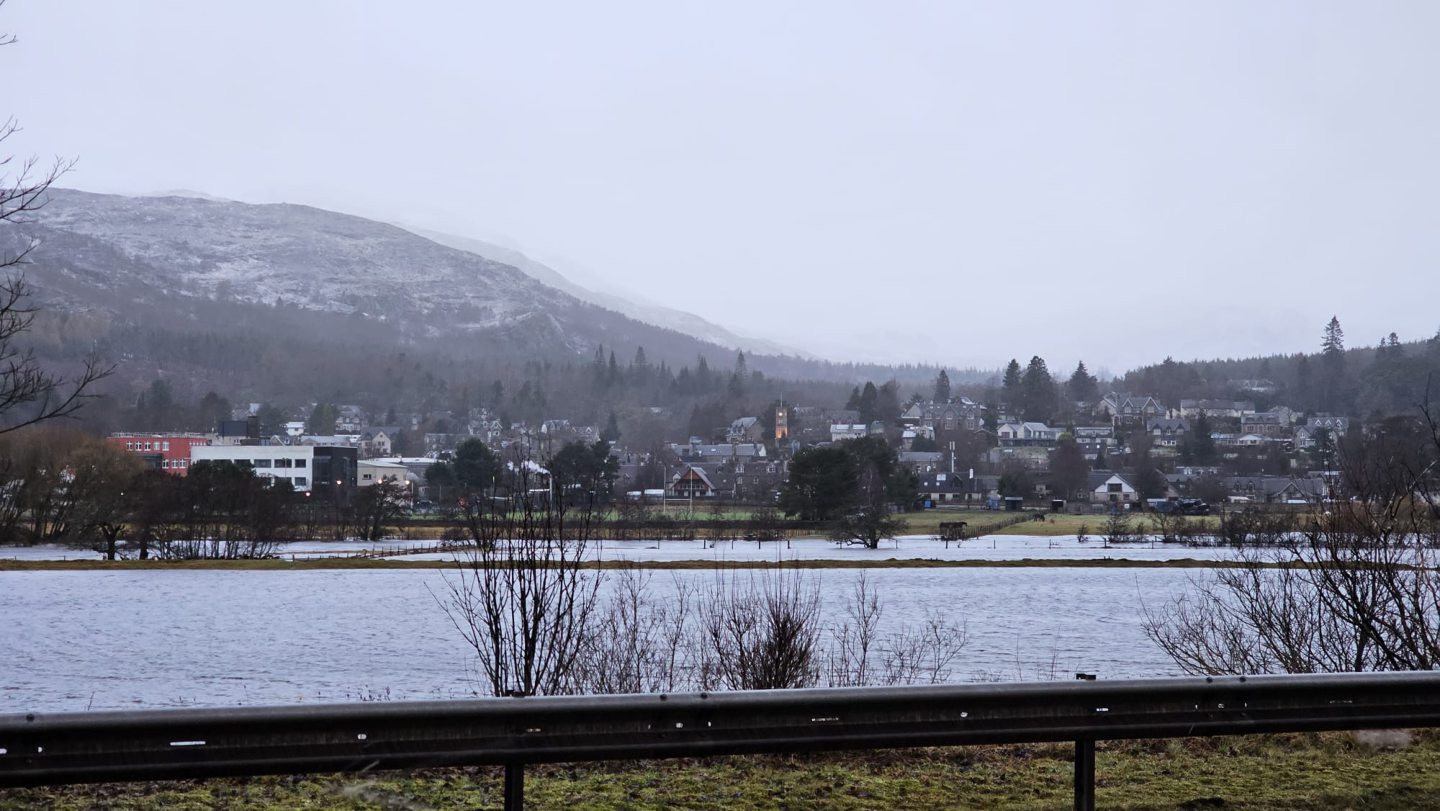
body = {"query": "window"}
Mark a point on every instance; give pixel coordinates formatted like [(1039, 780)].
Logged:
[(130, 446), (299, 481), (165, 446), (283, 462), (262, 463), (299, 463)]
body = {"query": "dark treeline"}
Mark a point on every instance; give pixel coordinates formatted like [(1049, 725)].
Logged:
[(1368, 382), (1388, 377), (291, 358)]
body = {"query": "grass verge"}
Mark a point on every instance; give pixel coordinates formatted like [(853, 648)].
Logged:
[(1323, 771)]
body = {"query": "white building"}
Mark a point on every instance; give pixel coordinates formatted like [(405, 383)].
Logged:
[(1114, 489), (373, 471), (296, 463)]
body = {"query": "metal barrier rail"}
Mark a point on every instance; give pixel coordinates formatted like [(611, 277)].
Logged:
[(46, 749)]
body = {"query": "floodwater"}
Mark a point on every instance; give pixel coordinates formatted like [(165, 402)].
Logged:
[(77, 640), (921, 547)]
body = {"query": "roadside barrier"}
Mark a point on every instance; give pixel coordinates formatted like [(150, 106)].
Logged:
[(49, 749)]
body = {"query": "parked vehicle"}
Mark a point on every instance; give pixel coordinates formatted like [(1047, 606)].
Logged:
[(1192, 506)]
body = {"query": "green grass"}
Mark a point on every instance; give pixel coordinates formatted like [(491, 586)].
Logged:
[(1258, 772), (989, 522)]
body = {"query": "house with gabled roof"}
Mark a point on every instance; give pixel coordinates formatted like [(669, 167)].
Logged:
[(957, 414), (744, 429), (1128, 409), (1112, 488), (691, 482)]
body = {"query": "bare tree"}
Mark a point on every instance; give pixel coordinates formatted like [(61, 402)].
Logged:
[(28, 393), (523, 597), (1358, 588), (374, 508)]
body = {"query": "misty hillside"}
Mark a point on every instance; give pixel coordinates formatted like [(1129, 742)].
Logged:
[(211, 288), (647, 312)]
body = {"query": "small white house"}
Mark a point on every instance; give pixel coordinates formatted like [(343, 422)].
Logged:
[(371, 471), (1113, 490)]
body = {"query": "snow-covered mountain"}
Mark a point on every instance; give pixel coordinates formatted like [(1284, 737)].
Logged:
[(177, 257), (229, 291), (295, 255)]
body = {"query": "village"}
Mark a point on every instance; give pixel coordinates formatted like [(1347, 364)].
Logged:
[(1119, 451)]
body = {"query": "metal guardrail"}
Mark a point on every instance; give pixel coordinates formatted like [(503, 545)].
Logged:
[(47, 749)]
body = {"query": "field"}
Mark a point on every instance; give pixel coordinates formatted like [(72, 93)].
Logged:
[(991, 522), (1380, 772)]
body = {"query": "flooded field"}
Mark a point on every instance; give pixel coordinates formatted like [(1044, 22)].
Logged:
[(102, 639)]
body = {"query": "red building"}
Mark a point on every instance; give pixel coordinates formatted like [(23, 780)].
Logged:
[(167, 452)]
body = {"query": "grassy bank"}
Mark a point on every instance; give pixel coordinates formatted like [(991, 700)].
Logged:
[(1259, 772), (986, 522)]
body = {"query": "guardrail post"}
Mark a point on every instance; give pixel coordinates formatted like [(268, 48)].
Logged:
[(1085, 775), (515, 786)]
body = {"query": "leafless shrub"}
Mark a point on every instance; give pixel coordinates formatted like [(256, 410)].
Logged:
[(859, 657), (854, 639), (1118, 528), (638, 644), (1357, 589), (923, 654), (760, 633)]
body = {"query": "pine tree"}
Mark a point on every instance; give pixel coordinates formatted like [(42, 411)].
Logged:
[(1333, 341), (1037, 392), (1082, 386), (942, 387), (1333, 383), (611, 433), (1010, 386), (1011, 381), (702, 375), (869, 405)]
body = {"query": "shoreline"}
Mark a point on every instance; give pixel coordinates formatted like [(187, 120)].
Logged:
[(312, 564)]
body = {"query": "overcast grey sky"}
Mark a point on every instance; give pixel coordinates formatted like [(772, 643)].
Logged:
[(944, 182)]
